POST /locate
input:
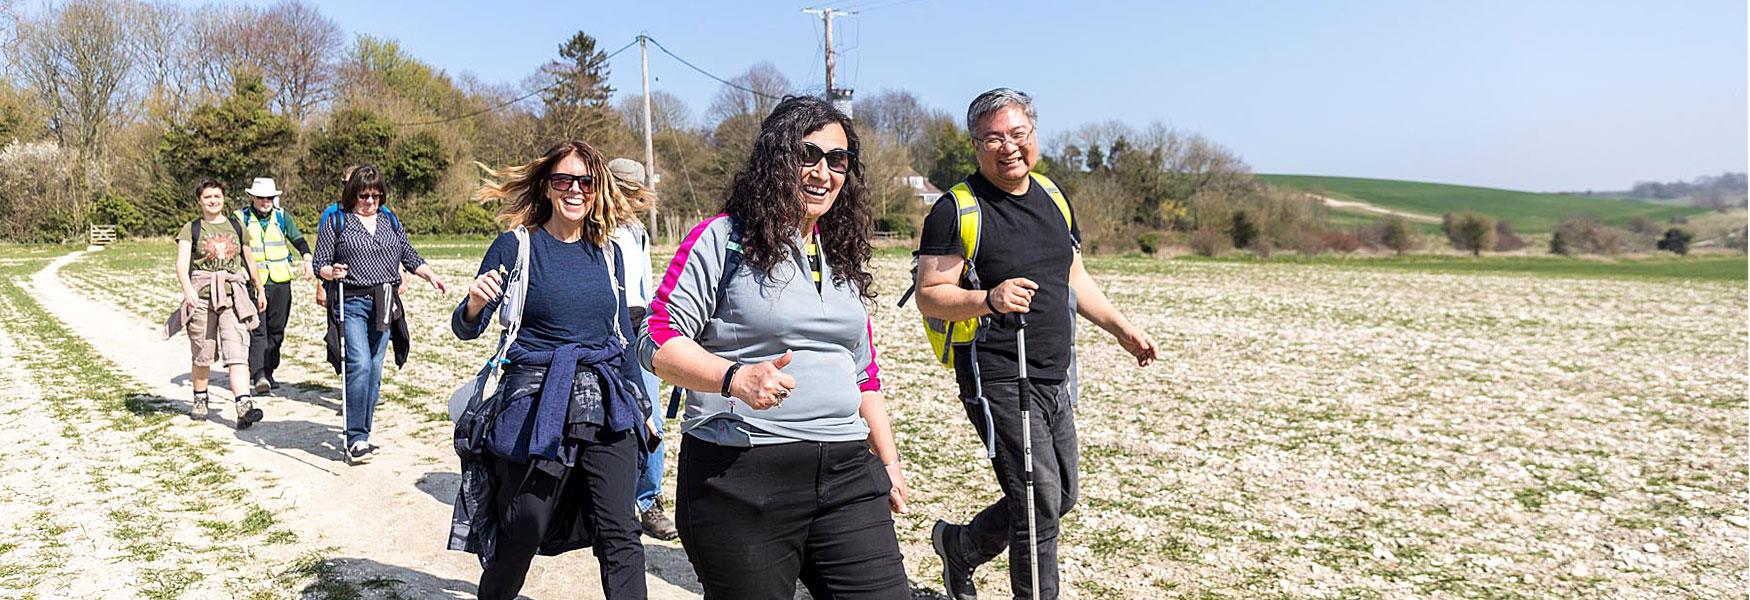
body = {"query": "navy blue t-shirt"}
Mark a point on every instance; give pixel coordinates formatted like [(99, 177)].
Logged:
[(570, 298)]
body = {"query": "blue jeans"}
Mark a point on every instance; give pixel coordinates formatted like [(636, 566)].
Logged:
[(364, 366), (650, 480)]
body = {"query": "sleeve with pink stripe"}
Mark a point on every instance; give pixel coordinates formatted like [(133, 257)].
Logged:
[(870, 379), (685, 300)]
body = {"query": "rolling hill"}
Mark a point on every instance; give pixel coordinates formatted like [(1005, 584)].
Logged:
[(1530, 212)]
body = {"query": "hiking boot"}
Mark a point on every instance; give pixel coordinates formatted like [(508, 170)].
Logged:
[(262, 386), (956, 578), (656, 523), (247, 413), (359, 452), (197, 409)]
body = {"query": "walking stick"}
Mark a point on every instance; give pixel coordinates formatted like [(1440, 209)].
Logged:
[(339, 302), (1026, 391)]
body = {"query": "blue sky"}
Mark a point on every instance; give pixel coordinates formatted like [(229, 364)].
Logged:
[(1528, 95)]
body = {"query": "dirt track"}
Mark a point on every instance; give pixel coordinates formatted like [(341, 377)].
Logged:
[(383, 521)]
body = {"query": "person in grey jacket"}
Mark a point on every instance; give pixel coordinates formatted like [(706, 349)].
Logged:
[(788, 468)]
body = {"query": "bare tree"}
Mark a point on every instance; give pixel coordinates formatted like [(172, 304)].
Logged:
[(78, 58), (754, 92), (298, 56), (159, 34), (667, 112)]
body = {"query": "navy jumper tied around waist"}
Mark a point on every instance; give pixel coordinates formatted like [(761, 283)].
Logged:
[(619, 406)]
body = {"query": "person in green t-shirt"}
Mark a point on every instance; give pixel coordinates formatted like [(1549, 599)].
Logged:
[(216, 270)]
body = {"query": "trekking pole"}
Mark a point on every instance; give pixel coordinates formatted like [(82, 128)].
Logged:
[(1026, 391), (339, 302)]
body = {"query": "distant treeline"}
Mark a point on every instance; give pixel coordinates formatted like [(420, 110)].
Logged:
[(1704, 189)]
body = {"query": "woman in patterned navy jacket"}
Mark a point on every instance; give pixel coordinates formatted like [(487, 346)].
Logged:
[(365, 255)]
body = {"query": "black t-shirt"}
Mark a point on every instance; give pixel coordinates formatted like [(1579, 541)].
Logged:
[(1019, 236)]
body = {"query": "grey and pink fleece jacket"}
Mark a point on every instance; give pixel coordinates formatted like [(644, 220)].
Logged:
[(755, 318)]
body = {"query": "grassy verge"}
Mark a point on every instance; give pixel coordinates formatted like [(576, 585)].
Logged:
[(148, 483)]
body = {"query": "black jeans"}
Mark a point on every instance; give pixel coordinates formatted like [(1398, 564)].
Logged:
[(1004, 523), (535, 504), (265, 339), (754, 520)]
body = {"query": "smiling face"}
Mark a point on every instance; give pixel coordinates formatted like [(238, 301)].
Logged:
[(821, 184), (572, 203), (1006, 163), (212, 202)]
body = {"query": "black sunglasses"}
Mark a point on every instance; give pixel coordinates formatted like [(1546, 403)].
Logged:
[(837, 161), (561, 182)]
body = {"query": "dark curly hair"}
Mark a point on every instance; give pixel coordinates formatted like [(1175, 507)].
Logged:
[(766, 197)]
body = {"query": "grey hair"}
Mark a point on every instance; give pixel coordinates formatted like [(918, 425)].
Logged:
[(989, 102)]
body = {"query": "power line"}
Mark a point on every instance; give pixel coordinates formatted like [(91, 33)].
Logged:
[(879, 4), (501, 105), (721, 80)]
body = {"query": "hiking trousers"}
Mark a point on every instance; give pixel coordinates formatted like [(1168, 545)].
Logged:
[(756, 519), (595, 494), (1003, 524), (265, 340)]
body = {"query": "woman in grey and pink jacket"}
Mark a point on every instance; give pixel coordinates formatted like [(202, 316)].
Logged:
[(787, 465)]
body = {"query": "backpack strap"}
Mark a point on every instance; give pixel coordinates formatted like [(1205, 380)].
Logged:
[(194, 239), (1056, 194), (967, 215), (731, 264), (516, 290)]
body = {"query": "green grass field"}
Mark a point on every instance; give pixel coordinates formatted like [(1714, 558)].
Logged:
[(1703, 268), (1530, 212)]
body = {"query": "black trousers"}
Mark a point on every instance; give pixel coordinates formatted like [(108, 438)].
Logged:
[(536, 506), (755, 520), (265, 339), (1003, 524)]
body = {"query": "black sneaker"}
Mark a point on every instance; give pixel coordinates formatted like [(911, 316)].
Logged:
[(261, 385), (656, 523), (197, 409), (271, 382), (956, 579), (247, 413), (360, 452)]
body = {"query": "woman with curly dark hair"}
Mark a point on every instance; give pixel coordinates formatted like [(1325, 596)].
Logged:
[(787, 466)]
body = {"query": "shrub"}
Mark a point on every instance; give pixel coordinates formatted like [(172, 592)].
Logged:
[(1149, 242), (113, 210), (1676, 240), (1505, 239), (900, 225), (1209, 241), (1340, 241), (1470, 231), (1586, 235), (1260, 247), (1242, 231), (472, 217), (1393, 233)]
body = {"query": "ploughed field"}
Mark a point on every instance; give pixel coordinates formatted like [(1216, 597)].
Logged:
[(1309, 432)]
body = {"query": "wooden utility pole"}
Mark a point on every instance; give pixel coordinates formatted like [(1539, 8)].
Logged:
[(841, 98), (649, 144)]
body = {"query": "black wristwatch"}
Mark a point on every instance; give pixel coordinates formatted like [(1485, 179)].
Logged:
[(729, 376)]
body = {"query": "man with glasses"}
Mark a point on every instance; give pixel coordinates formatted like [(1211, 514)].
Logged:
[(270, 230), (1029, 247)]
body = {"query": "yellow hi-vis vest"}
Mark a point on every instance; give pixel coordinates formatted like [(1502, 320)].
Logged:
[(945, 335), (268, 242)]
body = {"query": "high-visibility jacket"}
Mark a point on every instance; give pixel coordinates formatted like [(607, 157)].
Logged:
[(267, 238)]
